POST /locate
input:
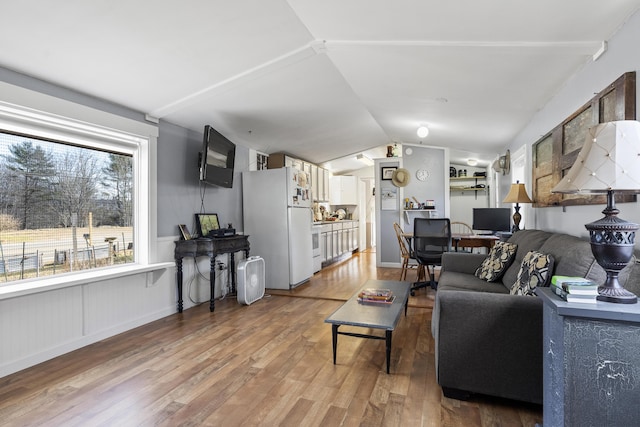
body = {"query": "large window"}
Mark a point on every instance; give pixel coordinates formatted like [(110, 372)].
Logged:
[(77, 191), (63, 208)]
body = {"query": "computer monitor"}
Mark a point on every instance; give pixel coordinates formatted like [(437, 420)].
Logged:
[(491, 220)]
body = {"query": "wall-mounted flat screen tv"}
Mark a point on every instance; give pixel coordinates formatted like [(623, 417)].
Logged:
[(217, 159), (491, 219)]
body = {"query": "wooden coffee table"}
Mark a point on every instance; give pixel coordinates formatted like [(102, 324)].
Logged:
[(371, 315)]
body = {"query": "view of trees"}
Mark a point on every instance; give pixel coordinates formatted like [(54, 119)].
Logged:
[(47, 184)]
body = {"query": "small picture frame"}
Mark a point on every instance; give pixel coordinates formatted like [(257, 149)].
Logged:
[(387, 172), (184, 232), (206, 223)]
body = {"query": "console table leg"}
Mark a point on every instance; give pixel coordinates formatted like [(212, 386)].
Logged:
[(212, 282), (334, 339), (232, 269), (388, 341), (179, 278)]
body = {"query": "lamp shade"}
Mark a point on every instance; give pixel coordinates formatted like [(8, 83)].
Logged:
[(517, 194), (608, 161)]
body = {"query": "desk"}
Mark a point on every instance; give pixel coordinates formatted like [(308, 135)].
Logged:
[(474, 241), (465, 240), (210, 248)]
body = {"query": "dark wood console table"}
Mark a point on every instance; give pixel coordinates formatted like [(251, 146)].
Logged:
[(210, 248)]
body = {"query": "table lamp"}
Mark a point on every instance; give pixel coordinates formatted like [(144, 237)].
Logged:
[(608, 164), (517, 194)]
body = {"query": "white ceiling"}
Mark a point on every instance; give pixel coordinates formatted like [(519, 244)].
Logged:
[(320, 80)]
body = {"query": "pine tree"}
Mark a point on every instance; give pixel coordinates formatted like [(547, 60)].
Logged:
[(31, 170), (119, 178)]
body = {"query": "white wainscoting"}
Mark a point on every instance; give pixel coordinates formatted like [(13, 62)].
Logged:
[(40, 326)]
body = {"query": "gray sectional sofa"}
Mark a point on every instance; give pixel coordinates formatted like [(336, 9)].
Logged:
[(490, 342)]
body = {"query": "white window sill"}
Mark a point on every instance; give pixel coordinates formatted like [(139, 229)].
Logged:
[(74, 279)]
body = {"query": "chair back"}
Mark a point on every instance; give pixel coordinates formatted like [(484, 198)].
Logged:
[(402, 242), (431, 237), (458, 227)]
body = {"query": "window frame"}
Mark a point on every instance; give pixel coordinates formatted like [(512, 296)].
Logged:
[(27, 112)]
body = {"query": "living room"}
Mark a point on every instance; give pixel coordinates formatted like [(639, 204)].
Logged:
[(34, 329)]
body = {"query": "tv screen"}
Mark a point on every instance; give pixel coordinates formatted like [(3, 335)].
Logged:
[(217, 159), (492, 219)]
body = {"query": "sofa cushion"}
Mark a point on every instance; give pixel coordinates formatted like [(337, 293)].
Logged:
[(527, 240), (500, 257), (457, 281), (535, 271), (630, 275), (573, 257)]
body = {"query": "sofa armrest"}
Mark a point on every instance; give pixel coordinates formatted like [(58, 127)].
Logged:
[(489, 343), (461, 262)]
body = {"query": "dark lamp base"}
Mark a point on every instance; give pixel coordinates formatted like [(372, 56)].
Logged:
[(616, 295), (516, 219), (612, 243)]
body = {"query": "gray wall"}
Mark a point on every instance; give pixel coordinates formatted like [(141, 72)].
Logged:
[(387, 250), (622, 56), (179, 189), (433, 188)]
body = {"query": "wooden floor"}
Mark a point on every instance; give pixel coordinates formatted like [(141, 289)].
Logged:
[(268, 364)]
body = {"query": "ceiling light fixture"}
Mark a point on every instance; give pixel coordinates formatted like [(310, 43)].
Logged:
[(364, 159), (423, 131), (472, 162)]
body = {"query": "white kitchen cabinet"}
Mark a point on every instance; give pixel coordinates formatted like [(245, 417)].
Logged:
[(346, 238), (325, 188), (354, 237), (326, 244), (337, 240), (343, 190), (335, 244), (314, 183), (306, 166)]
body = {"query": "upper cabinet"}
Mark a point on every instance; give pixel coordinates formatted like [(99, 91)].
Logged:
[(343, 190), (319, 176)]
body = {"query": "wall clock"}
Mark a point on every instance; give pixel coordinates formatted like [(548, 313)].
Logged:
[(423, 174)]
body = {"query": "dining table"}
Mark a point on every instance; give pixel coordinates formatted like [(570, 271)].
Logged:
[(465, 240)]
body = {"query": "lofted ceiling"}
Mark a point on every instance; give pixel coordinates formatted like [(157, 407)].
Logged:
[(320, 80)]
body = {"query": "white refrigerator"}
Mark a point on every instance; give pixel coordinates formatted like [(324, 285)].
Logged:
[(278, 218)]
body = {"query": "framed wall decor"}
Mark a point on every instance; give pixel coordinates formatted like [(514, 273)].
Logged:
[(184, 232), (206, 222), (387, 172), (554, 153)]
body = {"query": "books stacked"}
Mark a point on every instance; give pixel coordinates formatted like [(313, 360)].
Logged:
[(575, 289), (378, 296)]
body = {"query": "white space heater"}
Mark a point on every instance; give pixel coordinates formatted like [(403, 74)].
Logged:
[(250, 280)]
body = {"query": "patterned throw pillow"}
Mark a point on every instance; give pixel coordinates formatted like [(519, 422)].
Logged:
[(500, 258), (535, 271)]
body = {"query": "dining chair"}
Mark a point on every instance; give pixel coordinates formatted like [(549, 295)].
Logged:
[(461, 228), (406, 254)]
